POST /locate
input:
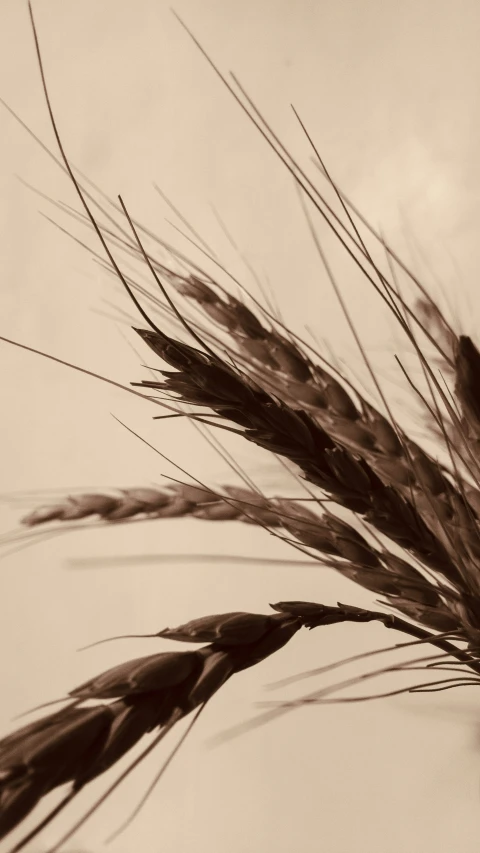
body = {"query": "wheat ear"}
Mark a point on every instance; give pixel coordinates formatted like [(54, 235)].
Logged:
[(376, 569), (202, 379), (282, 367), (77, 744)]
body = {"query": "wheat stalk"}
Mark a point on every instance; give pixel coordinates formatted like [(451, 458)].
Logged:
[(299, 408)]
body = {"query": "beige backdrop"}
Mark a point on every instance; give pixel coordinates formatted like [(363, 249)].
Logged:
[(390, 93)]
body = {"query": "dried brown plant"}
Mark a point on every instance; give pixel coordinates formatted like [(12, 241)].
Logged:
[(386, 513)]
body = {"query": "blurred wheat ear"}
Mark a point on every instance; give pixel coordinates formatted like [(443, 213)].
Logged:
[(394, 518)]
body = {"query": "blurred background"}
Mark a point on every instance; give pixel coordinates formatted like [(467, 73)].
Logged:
[(390, 94)]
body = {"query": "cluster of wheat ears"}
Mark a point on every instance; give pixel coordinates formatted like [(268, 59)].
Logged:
[(242, 370)]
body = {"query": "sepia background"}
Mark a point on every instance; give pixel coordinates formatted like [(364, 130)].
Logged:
[(390, 93)]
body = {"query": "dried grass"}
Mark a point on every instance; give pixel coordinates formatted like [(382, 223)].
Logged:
[(421, 546)]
